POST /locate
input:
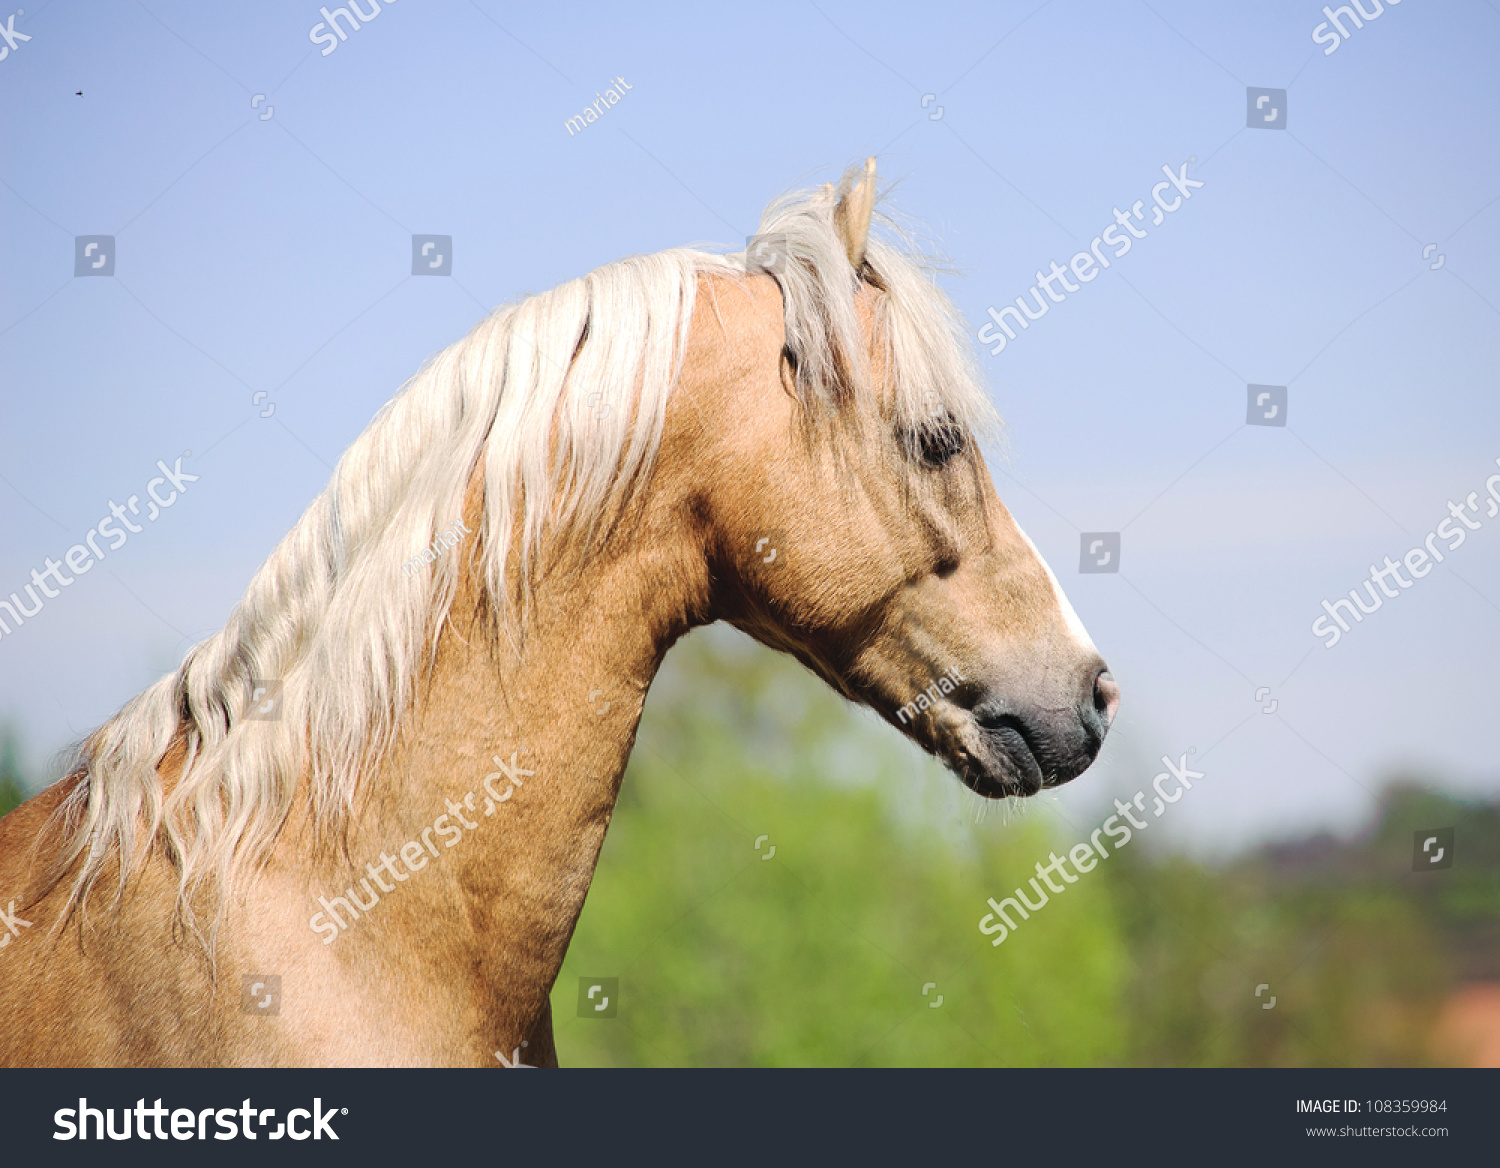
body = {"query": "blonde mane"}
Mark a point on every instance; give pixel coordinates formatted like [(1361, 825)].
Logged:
[(562, 398)]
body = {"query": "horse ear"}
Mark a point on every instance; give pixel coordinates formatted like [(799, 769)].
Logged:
[(851, 218)]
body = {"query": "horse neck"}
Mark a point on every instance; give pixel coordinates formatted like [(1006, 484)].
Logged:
[(529, 746)]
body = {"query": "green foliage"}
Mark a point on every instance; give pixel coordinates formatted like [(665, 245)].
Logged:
[(1352, 975), (12, 785), (819, 954)]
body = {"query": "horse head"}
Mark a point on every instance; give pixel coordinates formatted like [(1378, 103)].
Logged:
[(857, 524)]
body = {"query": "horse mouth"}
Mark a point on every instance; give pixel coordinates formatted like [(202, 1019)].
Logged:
[(1010, 767), (997, 752)]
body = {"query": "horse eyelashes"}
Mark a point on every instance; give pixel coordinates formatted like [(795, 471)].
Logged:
[(939, 445)]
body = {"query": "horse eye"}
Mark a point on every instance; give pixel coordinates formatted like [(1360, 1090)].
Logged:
[(939, 445)]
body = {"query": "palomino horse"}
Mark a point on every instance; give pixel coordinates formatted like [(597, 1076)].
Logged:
[(385, 783)]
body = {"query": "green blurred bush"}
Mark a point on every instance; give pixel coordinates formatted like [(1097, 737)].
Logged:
[(819, 955), (12, 785)]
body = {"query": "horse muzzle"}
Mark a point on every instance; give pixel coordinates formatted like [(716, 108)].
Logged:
[(1022, 746)]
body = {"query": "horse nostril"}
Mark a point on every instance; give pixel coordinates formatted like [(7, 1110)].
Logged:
[(1106, 696)]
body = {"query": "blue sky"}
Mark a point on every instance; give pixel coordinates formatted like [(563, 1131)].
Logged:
[(271, 255)]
